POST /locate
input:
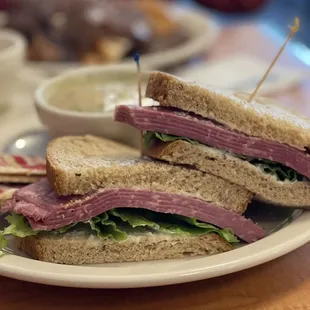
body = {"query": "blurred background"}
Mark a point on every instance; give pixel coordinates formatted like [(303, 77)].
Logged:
[(219, 43), (103, 31)]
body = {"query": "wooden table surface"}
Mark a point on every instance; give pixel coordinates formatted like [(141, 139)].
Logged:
[(281, 284)]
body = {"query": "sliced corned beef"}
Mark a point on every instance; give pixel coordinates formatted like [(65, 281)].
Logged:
[(178, 123), (46, 211)]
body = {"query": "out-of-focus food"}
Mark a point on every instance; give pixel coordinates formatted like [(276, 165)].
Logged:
[(233, 6), (21, 169), (82, 101), (94, 31), (96, 96), (12, 57), (96, 91)]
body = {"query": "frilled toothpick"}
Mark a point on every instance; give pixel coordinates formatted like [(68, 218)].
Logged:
[(294, 29)]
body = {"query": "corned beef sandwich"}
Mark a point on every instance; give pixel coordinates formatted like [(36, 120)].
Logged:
[(259, 145), (101, 202)]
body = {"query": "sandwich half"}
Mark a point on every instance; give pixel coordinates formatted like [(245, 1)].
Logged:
[(259, 145), (101, 202)]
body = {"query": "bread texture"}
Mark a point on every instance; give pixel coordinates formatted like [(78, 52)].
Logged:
[(225, 165), (260, 118), (80, 165), (77, 250)]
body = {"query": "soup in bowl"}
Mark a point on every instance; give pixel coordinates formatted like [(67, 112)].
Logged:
[(82, 101)]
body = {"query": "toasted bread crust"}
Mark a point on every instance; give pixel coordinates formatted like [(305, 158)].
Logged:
[(67, 156), (260, 118), (79, 165), (77, 250), (238, 171)]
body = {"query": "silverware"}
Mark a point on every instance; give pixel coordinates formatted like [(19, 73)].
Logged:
[(32, 142)]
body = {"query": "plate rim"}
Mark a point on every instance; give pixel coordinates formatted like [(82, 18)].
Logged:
[(197, 43), (286, 240)]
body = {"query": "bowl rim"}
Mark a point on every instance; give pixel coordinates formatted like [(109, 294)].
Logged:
[(17, 43), (41, 102)]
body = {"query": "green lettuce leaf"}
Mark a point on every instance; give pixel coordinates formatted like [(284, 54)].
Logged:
[(281, 172), (170, 223), (101, 225), (150, 136), (18, 227), (226, 233), (133, 218), (118, 223), (3, 244), (105, 228)]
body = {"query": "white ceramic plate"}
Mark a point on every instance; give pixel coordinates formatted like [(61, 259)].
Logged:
[(156, 273), (202, 29)]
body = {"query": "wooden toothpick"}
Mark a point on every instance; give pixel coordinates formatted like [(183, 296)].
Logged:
[(294, 29), (137, 61)]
